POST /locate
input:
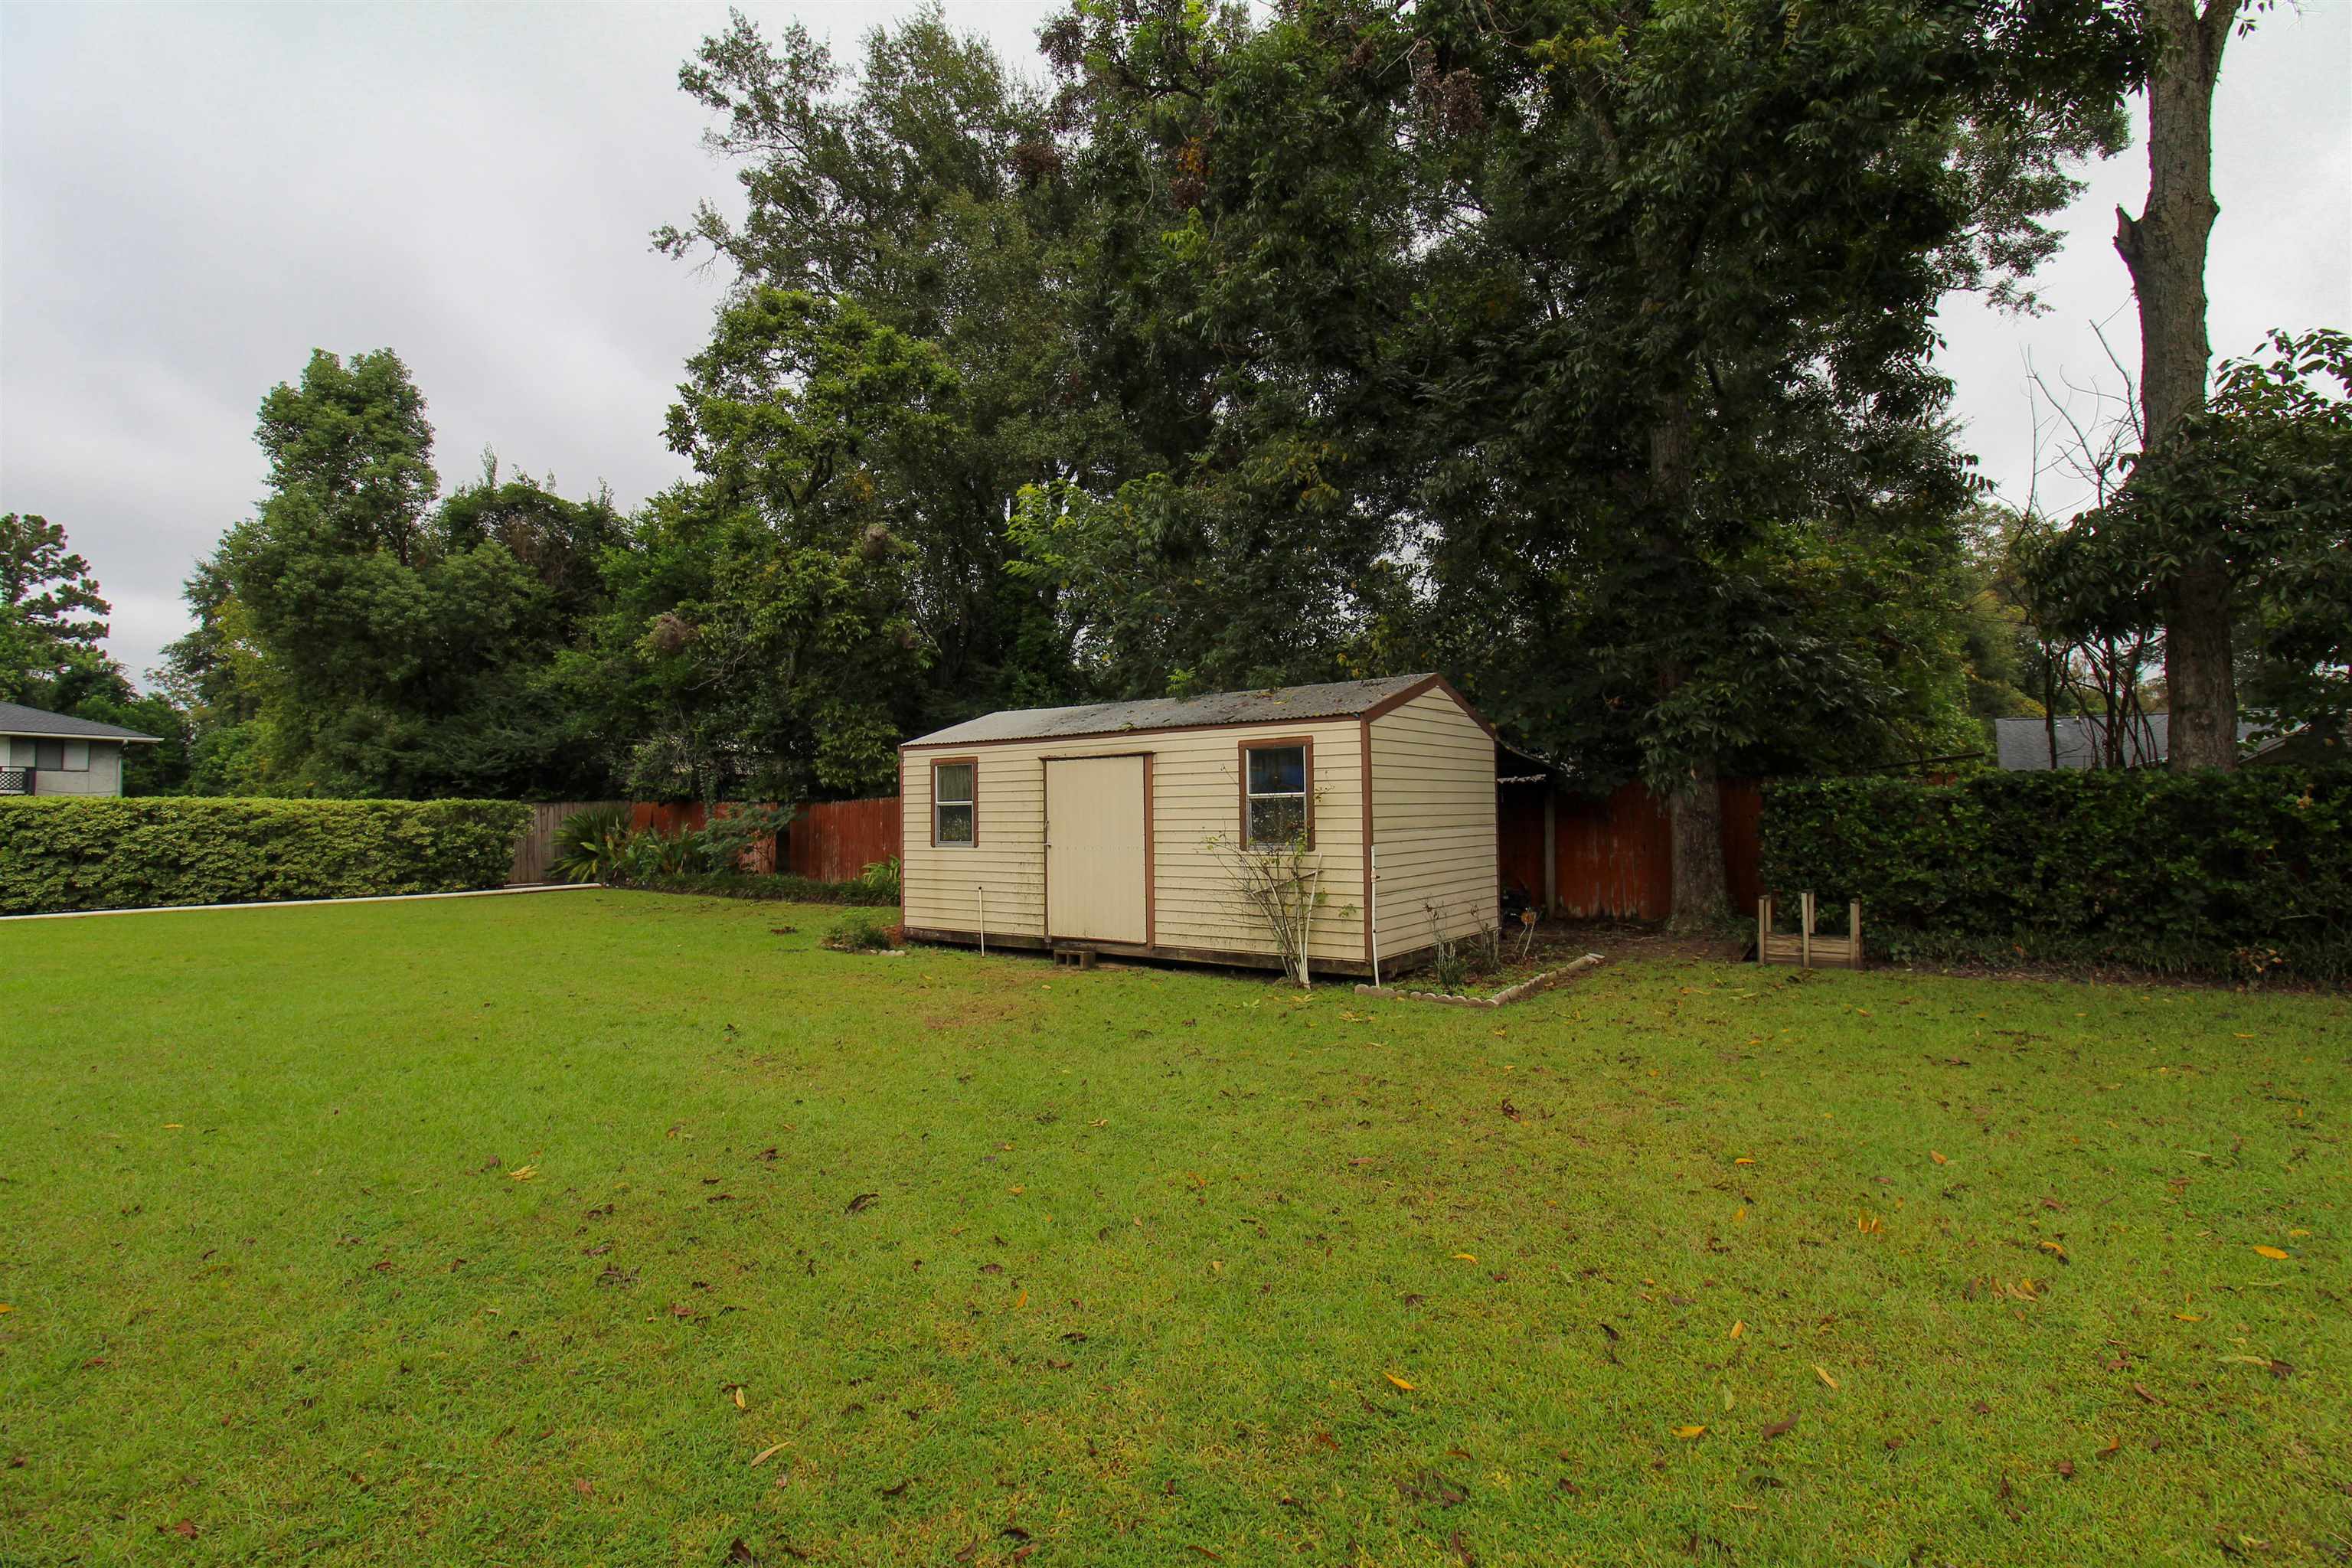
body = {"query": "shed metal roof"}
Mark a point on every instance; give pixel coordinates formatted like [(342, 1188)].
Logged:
[(15, 718), (1330, 699)]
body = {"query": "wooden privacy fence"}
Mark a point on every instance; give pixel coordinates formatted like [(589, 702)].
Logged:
[(835, 840), (831, 841), (1614, 856), (534, 856)]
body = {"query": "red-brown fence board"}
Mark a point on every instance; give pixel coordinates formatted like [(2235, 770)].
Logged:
[(1615, 856), (831, 841), (838, 840)]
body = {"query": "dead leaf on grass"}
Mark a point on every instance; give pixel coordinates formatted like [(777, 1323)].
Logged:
[(764, 1454), (862, 1201), (1688, 1432), (2278, 1253), (1398, 1381), (1822, 1373), (1782, 1428)]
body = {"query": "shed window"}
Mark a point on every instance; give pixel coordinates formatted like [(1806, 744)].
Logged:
[(954, 799), (1276, 783), (49, 755)]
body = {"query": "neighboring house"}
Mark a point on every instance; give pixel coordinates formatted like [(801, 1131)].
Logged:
[(2023, 745), (54, 754), (1113, 827)]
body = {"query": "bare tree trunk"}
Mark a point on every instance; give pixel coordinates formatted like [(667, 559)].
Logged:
[(1695, 811), (1695, 808), (2165, 247)]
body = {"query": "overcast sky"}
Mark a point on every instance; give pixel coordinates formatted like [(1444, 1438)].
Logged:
[(193, 198)]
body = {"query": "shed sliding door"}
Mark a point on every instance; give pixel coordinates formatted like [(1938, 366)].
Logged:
[(1097, 864)]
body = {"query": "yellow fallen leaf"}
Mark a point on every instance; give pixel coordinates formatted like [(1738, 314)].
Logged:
[(1020, 1301), (171, 1126), (1743, 1160), (1398, 1381), (1103, 1122), (740, 1404), (5, 1308), (1822, 1373), (2278, 1252), (1737, 1328), (1690, 1431), (1018, 1191), (1466, 1257), (2052, 1247), (1937, 1158), (764, 1454), (1198, 1179), (2298, 1232), (2188, 1317), (525, 1174)]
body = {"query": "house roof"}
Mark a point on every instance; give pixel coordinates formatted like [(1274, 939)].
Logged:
[(2023, 745), (1272, 705), (15, 718)]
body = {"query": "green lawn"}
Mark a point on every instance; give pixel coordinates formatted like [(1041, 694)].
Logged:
[(453, 1231)]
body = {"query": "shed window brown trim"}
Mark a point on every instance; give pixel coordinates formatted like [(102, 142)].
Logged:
[(956, 795), (1266, 793)]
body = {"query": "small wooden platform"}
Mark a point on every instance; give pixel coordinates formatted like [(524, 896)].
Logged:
[(1808, 948)]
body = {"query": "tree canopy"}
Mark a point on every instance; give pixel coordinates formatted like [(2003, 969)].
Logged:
[(1583, 352)]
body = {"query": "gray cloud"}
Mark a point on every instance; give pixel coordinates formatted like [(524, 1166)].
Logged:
[(193, 197)]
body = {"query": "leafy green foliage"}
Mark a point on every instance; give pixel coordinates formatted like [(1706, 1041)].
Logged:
[(2230, 874), (61, 854), (354, 639), (2259, 481), (863, 932), (880, 878), (769, 887), (588, 843), (52, 618)]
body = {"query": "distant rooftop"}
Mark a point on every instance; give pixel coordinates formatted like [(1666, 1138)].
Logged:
[(2024, 744), (15, 718), (1330, 699)]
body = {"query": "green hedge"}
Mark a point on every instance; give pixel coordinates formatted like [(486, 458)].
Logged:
[(57, 854), (781, 887), (2240, 874)]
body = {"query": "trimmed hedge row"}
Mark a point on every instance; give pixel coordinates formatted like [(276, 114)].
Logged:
[(58, 855), (2240, 874), (781, 887)]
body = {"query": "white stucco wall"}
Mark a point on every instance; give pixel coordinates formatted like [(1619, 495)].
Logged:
[(92, 767)]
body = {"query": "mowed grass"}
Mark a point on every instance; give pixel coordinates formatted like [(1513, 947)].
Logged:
[(451, 1232)]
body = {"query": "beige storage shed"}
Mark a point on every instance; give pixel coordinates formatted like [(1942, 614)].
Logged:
[(1114, 826)]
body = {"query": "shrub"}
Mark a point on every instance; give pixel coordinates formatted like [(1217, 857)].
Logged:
[(2213, 873), (880, 878), (722, 845), (588, 843), (60, 855), (780, 887), (861, 933)]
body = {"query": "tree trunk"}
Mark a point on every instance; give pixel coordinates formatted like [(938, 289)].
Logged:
[(1694, 809), (2165, 247)]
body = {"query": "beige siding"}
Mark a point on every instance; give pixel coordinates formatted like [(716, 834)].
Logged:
[(1433, 820), (1195, 796)]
